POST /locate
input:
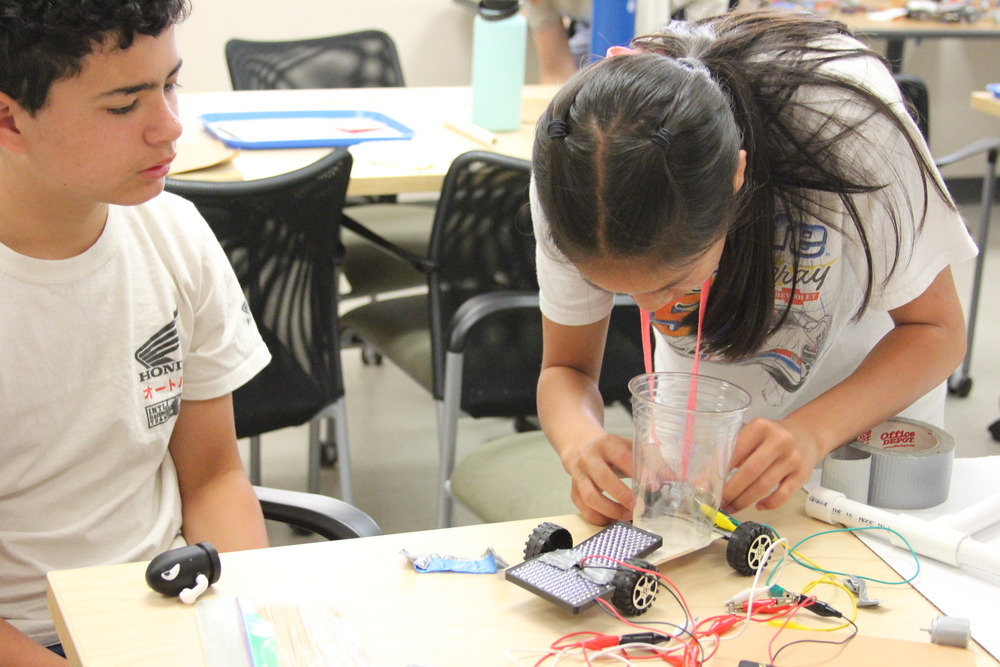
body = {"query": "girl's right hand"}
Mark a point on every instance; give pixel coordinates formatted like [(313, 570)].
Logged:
[(596, 470)]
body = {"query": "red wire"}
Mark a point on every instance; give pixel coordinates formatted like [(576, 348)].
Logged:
[(655, 573)]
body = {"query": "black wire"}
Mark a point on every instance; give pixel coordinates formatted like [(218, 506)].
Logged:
[(660, 585), (683, 630), (854, 634)]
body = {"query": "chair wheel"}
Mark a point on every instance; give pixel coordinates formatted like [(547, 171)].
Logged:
[(635, 591), (960, 387), (747, 546), (547, 537), (370, 356), (995, 430), (328, 454)]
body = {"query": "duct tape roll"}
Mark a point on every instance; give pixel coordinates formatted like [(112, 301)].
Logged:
[(901, 464)]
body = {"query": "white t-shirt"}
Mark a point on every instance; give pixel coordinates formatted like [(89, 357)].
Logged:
[(819, 345), (99, 350)]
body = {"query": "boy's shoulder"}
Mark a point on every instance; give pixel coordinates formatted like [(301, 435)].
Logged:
[(169, 226), (166, 215)]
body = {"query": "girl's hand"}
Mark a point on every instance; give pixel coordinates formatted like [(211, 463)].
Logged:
[(773, 461), (596, 470)]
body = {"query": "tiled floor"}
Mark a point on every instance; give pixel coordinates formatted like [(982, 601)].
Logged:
[(391, 422)]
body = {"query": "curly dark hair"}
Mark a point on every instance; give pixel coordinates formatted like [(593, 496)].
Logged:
[(43, 41)]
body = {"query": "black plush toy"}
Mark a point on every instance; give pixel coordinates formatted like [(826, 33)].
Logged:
[(186, 572)]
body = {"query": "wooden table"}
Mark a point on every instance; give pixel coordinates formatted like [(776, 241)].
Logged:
[(108, 616), (380, 167), (986, 102)]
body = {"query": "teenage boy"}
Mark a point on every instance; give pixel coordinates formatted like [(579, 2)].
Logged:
[(122, 326)]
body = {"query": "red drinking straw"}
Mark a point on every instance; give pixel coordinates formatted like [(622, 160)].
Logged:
[(647, 357)]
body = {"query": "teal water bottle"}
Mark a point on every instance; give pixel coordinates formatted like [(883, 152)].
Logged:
[(499, 41)]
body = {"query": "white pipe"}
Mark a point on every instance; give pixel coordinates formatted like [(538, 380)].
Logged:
[(973, 518), (927, 539)]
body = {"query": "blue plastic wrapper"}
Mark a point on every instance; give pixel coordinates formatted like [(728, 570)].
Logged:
[(488, 563)]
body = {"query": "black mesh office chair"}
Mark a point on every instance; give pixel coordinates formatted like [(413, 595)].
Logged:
[(915, 93), (281, 235), (474, 341), (365, 59)]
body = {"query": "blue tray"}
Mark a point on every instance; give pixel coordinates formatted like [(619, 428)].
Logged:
[(994, 88), (301, 129)]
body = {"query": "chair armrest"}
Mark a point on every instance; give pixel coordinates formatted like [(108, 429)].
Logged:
[(421, 264), (482, 306), (990, 145), (328, 517)]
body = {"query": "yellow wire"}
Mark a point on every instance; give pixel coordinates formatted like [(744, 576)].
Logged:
[(829, 580)]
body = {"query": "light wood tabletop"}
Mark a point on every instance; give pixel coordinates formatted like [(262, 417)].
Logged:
[(108, 616), (439, 117), (986, 102)]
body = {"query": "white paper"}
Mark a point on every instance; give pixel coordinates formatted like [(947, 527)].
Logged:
[(954, 591)]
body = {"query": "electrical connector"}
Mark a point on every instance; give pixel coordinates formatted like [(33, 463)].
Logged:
[(644, 638)]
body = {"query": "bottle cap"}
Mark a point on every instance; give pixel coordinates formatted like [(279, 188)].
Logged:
[(497, 10)]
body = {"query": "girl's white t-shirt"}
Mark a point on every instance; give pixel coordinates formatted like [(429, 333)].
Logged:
[(819, 345)]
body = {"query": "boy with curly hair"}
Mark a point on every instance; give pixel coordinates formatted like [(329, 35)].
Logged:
[(121, 321)]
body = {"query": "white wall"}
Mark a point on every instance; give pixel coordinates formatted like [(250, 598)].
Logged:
[(434, 38)]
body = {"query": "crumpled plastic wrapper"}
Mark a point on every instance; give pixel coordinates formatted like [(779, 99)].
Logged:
[(488, 563)]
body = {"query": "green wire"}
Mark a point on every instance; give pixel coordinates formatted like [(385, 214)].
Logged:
[(791, 552)]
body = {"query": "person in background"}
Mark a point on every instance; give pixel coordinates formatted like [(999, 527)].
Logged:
[(560, 48), (767, 157), (123, 327), (563, 48)]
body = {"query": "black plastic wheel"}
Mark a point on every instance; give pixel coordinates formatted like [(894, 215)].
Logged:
[(747, 546), (635, 591), (960, 387), (995, 430), (547, 537)]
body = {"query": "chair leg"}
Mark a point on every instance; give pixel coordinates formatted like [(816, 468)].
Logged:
[(960, 383), (336, 417), (255, 460), (448, 411)]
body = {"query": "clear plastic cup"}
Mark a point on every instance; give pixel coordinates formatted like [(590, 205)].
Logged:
[(685, 431)]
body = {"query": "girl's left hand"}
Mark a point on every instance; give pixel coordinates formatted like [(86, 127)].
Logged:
[(773, 459)]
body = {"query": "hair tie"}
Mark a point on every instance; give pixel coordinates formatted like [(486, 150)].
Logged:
[(558, 129), (663, 137)]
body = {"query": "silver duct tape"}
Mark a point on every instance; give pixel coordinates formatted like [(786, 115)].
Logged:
[(848, 471), (901, 464)]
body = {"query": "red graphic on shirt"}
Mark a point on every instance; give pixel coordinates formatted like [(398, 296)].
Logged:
[(784, 294)]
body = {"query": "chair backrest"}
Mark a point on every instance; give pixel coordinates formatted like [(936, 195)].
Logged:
[(282, 236), (482, 242), (917, 99), (365, 59)]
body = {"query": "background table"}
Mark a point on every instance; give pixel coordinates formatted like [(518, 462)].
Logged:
[(986, 102), (380, 167), (108, 616), (897, 31)]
